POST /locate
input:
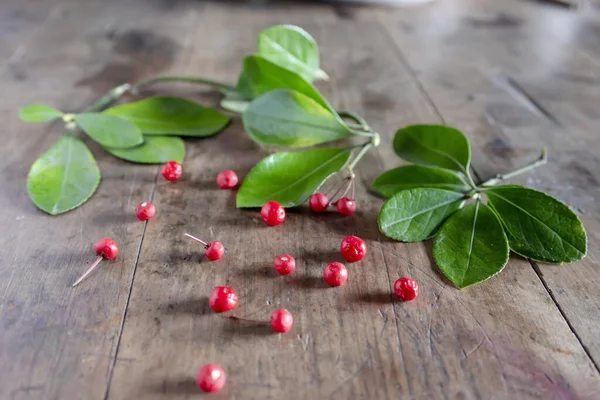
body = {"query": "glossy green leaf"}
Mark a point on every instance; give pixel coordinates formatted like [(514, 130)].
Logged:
[(290, 178), (109, 130), (261, 76), (38, 113), (538, 226), (415, 214), (64, 177), (417, 176), (291, 47), (283, 117), (436, 145), (154, 150), (172, 116), (471, 245)]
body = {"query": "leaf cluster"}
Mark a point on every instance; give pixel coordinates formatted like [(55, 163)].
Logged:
[(473, 226)]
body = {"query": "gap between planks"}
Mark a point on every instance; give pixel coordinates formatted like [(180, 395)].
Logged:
[(516, 87)]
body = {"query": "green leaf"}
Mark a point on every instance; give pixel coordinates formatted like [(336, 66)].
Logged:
[(291, 47), (471, 245), (538, 226), (415, 214), (436, 145), (234, 102), (154, 150), (109, 130), (172, 116), (418, 176), (283, 117), (290, 178), (39, 113), (64, 177), (261, 76)]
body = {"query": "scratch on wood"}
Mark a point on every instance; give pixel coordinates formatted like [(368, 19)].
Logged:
[(101, 326), (353, 375), (305, 341)]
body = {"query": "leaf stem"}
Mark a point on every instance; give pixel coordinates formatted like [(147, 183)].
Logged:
[(362, 124), (360, 155), (222, 87), (109, 98), (541, 160)]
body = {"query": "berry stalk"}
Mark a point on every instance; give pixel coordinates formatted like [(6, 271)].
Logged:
[(89, 271)]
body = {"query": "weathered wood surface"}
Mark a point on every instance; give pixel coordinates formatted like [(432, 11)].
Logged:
[(514, 75)]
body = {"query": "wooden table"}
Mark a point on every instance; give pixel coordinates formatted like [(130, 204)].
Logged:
[(514, 75)]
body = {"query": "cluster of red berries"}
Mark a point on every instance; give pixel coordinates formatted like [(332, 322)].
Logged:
[(211, 377)]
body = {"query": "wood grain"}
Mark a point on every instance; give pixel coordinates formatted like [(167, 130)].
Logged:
[(141, 327)]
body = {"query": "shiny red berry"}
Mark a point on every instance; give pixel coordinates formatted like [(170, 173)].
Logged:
[(272, 213), (214, 251), (222, 299), (227, 179), (145, 211), (284, 264), (353, 248), (335, 274), (282, 320), (211, 378), (346, 206), (318, 202), (106, 248), (172, 171), (406, 288)]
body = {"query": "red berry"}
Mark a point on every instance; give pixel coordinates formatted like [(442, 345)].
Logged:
[(346, 206), (284, 264), (211, 378), (335, 274), (106, 248), (272, 213), (406, 288), (227, 179), (214, 251), (172, 171), (282, 320), (353, 248), (145, 211), (318, 202), (223, 298)]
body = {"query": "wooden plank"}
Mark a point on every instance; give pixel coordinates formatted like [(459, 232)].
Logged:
[(57, 342), (519, 88), (350, 342)]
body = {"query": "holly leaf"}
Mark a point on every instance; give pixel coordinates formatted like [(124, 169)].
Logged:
[(109, 130), (414, 215), (290, 178), (293, 48), (39, 113), (171, 116), (260, 76), (436, 145), (417, 176), (64, 177), (154, 150), (284, 117), (471, 245), (538, 226)]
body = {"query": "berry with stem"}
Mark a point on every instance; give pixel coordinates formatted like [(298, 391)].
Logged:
[(318, 202), (284, 264), (335, 274), (227, 179), (406, 289), (172, 171), (211, 378), (353, 248), (213, 250), (145, 211), (222, 299), (282, 320), (346, 206), (104, 248), (273, 213)]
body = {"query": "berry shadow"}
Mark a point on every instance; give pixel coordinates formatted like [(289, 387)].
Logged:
[(323, 257), (248, 328), (183, 385), (258, 270), (309, 282), (379, 297), (198, 306)]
